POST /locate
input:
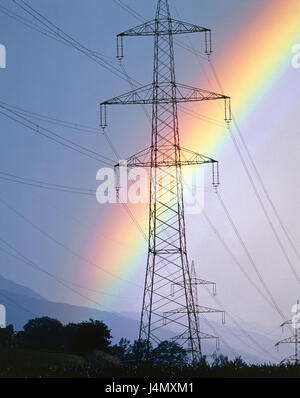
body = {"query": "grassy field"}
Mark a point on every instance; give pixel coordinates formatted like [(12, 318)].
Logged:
[(30, 363), (26, 363)]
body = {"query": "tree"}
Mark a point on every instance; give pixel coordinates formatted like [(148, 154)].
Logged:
[(169, 353), (238, 363), (138, 351), (220, 361), (121, 350), (90, 336), (7, 337), (41, 333), (68, 339)]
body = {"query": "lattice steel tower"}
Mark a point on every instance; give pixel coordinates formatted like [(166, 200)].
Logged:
[(169, 287), (295, 339)]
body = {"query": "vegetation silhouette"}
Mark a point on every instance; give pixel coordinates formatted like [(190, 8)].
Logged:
[(47, 348)]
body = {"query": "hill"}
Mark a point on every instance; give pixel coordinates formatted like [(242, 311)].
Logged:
[(23, 304)]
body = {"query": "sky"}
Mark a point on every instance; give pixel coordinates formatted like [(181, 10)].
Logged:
[(97, 249)]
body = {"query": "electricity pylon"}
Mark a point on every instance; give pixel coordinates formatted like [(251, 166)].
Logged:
[(168, 293), (295, 339)]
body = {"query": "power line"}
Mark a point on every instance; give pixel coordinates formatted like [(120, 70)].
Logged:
[(251, 260), (206, 119), (167, 240), (239, 327), (17, 304), (235, 353), (48, 23), (235, 260), (68, 39), (68, 189), (210, 223), (62, 245), (139, 17), (219, 125), (64, 280), (18, 114), (125, 205), (45, 185), (70, 43), (257, 194), (265, 211), (130, 10), (85, 225), (134, 83), (269, 199), (32, 264), (27, 23), (49, 119), (55, 137)]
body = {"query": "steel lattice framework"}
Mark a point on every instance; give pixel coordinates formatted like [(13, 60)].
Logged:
[(295, 339), (169, 293)]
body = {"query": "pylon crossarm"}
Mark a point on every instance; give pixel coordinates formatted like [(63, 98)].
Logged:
[(185, 93), (143, 159), (285, 323), (145, 29), (141, 95), (193, 157), (198, 308), (291, 322), (288, 340), (164, 95), (181, 27), (196, 282), (207, 310), (139, 159), (202, 336), (165, 164), (165, 26), (185, 336)]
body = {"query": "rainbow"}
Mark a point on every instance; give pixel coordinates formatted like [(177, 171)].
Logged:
[(248, 67)]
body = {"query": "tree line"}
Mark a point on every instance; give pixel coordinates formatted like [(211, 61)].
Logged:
[(86, 350), (84, 338)]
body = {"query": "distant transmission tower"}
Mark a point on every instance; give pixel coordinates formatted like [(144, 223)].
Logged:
[(295, 339), (169, 294)]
